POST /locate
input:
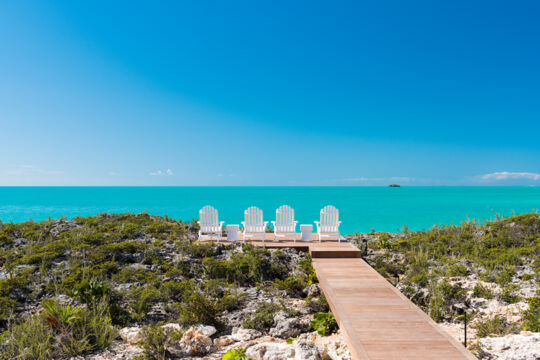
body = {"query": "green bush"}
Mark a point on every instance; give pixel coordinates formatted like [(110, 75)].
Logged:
[(60, 331), (235, 354), (294, 286), (481, 291), (203, 303), (153, 343), (263, 319), (91, 291), (495, 326), (142, 300), (383, 241), (508, 294), (324, 323), (30, 340), (531, 316), (7, 306), (318, 304)]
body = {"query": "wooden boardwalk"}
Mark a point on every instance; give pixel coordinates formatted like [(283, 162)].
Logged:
[(378, 322)]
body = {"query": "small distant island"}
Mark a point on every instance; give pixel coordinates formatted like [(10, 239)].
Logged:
[(394, 185)]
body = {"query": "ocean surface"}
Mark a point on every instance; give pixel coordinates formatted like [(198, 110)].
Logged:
[(361, 208)]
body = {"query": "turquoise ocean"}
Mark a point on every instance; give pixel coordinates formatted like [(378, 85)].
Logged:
[(361, 208)]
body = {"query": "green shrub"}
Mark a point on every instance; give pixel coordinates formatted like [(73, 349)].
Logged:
[(481, 291), (531, 316), (495, 326), (324, 323), (7, 306), (383, 241), (90, 291), (60, 331), (153, 344), (318, 304), (508, 294), (235, 354), (202, 304), (294, 286), (30, 340), (456, 270), (143, 299), (263, 319), (443, 296)]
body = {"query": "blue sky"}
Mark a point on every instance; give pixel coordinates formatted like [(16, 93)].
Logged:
[(269, 93)]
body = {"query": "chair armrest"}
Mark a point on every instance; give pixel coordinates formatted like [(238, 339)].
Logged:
[(221, 224), (273, 223), (242, 222), (318, 225), (265, 223)]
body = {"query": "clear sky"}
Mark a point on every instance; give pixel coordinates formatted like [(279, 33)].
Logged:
[(269, 92)]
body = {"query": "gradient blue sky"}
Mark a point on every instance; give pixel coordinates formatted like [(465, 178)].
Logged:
[(269, 93)]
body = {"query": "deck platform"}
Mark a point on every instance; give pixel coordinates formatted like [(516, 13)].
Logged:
[(377, 321)]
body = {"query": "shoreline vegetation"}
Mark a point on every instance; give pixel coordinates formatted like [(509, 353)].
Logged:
[(139, 286), (490, 270)]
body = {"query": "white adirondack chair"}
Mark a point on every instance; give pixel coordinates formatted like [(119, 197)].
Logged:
[(253, 223), (284, 225), (329, 225), (209, 224)]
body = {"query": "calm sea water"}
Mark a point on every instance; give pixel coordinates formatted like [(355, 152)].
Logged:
[(361, 208)]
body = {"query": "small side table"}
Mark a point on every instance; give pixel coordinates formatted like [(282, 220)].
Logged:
[(232, 232), (306, 230)]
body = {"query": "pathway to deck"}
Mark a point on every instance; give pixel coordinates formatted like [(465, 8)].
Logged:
[(378, 322)]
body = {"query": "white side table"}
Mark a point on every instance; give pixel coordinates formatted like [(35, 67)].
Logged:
[(232, 232), (306, 232)]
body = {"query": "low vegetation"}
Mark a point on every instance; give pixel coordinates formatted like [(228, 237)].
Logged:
[(68, 286), (324, 323), (464, 266)]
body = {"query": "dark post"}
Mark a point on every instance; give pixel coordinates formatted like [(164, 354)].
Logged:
[(465, 313), (462, 311), (364, 252)]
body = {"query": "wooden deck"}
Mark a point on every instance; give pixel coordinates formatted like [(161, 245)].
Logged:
[(378, 322)]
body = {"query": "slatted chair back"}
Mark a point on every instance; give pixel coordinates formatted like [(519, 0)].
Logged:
[(208, 220), (329, 219), (285, 220), (253, 220)]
